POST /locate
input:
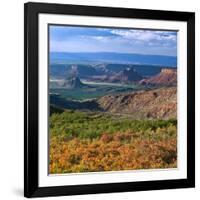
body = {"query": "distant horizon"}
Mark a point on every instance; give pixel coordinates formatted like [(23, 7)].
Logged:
[(79, 39), (111, 57), (111, 52)]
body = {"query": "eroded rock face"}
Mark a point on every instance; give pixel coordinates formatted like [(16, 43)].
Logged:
[(72, 83), (156, 104), (167, 77), (126, 76)]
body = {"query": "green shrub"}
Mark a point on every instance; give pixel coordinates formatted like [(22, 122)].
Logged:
[(92, 125)]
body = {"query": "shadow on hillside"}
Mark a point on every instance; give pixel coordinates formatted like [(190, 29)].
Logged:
[(91, 105)]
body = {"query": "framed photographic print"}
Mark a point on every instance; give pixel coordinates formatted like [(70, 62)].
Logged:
[(109, 99)]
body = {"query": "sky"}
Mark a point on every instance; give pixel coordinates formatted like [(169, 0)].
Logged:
[(93, 39)]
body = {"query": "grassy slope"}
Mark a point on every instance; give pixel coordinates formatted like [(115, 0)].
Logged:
[(82, 142), (92, 124)]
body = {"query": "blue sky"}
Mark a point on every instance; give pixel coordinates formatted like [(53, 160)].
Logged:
[(89, 39)]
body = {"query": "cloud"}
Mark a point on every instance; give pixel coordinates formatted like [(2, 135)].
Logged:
[(61, 33), (145, 35), (76, 39), (98, 38)]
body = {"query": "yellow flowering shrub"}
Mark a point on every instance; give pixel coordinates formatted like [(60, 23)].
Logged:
[(111, 152)]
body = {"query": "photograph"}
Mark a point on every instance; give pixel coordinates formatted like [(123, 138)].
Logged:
[(109, 99), (112, 99)]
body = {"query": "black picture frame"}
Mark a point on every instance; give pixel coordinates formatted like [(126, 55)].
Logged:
[(31, 12)]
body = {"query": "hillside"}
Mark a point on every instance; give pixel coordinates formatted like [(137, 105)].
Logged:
[(158, 103), (90, 141), (167, 77)]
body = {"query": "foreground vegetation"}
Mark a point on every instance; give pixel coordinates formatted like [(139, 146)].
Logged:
[(70, 124), (90, 141)]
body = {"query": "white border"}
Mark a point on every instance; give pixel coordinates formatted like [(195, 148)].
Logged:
[(122, 176)]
